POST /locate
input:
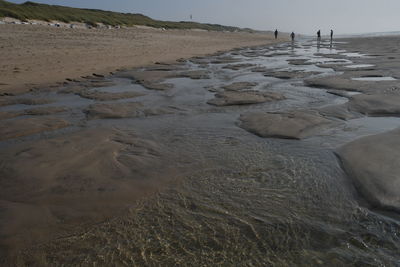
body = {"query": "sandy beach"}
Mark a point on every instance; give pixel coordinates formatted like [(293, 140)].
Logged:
[(267, 154), (36, 56)]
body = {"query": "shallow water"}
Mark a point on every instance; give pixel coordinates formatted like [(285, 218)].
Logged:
[(357, 55), (356, 66), (374, 79), (243, 200)]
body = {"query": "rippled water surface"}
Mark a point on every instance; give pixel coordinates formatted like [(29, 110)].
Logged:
[(248, 201)]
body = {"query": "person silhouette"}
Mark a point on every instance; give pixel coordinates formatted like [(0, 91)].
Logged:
[(331, 35), (319, 35), (292, 35), (276, 33)]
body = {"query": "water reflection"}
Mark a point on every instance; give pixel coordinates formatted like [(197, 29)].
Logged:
[(374, 79)]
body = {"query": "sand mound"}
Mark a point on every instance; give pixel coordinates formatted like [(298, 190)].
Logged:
[(341, 112), (106, 96), (150, 79), (290, 74), (293, 125), (259, 69), (71, 180), (237, 86), (23, 127), (225, 60), (376, 105), (346, 82), (194, 74), (300, 62), (153, 78), (124, 110), (374, 164), (229, 98)]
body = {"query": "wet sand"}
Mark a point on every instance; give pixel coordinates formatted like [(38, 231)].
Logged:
[(232, 158), (36, 56)]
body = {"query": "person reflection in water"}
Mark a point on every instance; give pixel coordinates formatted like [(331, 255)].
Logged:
[(276, 33), (292, 36), (318, 39)]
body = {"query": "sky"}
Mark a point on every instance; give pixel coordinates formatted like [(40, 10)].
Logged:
[(300, 16)]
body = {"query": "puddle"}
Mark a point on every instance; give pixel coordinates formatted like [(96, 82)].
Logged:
[(359, 66), (353, 55), (329, 61), (123, 85), (374, 79), (351, 93)]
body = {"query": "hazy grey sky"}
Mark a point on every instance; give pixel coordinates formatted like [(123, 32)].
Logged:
[(302, 16)]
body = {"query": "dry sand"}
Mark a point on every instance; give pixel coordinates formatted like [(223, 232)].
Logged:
[(33, 55)]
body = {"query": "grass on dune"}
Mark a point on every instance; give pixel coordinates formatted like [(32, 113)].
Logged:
[(31, 10)]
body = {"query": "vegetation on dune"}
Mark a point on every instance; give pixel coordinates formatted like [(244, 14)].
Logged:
[(31, 10)]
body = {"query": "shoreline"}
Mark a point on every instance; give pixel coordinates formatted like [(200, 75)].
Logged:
[(40, 56)]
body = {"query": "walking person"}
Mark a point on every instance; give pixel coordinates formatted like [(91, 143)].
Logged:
[(319, 35), (276, 33), (292, 35), (331, 35)]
